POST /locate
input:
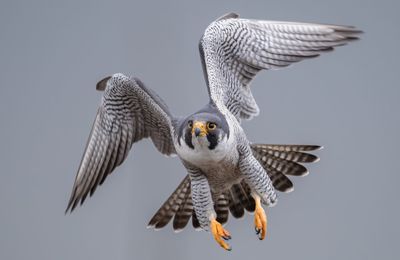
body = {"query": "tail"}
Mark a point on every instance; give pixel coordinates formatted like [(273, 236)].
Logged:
[(180, 206), (277, 160), (282, 160)]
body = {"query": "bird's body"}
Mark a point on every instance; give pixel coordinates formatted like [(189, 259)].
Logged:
[(223, 174), (226, 172), (219, 168)]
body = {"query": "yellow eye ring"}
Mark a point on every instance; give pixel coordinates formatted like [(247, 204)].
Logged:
[(190, 124), (211, 126)]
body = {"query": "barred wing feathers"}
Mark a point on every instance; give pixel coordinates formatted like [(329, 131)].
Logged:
[(128, 113), (279, 161), (234, 50)]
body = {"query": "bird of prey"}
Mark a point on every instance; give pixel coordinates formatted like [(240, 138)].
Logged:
[(226, 172)]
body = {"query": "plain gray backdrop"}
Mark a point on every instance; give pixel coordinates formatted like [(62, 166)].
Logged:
[(52, 55)]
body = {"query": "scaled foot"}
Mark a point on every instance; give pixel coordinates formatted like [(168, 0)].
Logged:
[(260, 219), (220, 234)]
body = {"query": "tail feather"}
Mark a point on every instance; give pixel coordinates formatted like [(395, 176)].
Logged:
[(171, 205), (287, 147), (281, 160), (180, 206), (248, 201), (221, 207), (284, 166), (235, 206), (184, 212), (292, 156), (195, 221), (279, 180)]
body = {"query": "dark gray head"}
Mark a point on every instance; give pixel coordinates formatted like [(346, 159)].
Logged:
[(206, 126)]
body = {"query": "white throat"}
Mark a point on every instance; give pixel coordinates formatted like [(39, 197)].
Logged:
[(200, 142), (201, 155)]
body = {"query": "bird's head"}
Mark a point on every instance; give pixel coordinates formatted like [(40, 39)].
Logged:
[(205, 130)]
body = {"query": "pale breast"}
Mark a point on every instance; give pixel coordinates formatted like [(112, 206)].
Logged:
[(219, 165), (222, 176)]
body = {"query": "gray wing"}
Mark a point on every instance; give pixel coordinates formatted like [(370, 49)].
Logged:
[(128, 113), (234, 50)]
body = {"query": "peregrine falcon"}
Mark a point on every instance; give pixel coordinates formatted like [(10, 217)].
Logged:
[(226, 172)]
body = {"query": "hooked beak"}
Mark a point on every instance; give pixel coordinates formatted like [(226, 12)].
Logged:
[(199, 129)]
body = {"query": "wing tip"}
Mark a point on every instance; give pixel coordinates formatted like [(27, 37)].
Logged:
[(102, 84), (71, 205), (348, 29), (230, 15), (349, 33), (67, 211)]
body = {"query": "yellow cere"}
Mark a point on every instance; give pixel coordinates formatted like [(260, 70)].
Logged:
[(200, 125)]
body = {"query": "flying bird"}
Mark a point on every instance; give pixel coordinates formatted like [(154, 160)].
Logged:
[(226, 172)]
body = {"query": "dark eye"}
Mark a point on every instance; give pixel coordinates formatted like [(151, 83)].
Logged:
[(190, 124), (211, 126)]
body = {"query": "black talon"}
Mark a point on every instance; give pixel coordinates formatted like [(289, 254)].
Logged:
[(257, 230), (226, 237)]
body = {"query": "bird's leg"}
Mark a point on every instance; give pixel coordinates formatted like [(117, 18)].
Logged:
[(204, 208), (260, 218), (219, 234)]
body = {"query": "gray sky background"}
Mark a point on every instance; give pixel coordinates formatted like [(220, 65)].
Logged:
[(52, 55)]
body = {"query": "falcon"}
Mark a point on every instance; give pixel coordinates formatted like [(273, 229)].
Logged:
[(226, 172)]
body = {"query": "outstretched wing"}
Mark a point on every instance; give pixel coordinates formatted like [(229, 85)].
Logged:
[(128, 113), (234, 50)]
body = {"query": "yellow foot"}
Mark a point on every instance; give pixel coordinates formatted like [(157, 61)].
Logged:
[(260, 219), (220, 233)]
